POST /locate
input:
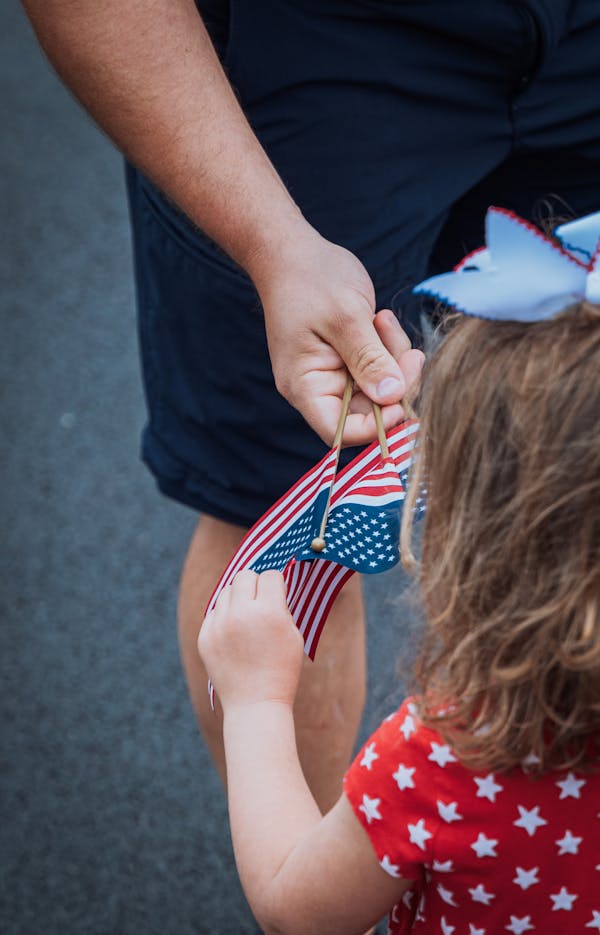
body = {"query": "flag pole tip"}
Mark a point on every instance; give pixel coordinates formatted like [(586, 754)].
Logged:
[(318, 544)]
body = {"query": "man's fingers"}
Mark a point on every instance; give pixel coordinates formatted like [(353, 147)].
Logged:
[(391, 333), (374, 369)]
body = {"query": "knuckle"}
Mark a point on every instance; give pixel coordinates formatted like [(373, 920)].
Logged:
[(340, 321), (368, 359)]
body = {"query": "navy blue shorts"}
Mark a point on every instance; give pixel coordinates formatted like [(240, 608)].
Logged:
[(394, 126)]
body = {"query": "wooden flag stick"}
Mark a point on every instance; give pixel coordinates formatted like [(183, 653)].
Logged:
[(318, 543)]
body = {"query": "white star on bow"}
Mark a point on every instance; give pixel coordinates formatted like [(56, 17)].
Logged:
[(479, 894), (487, 788), (448, 812), (563, 899), (389, 867), (484, 846), (517, 926), (370, 808), (526, 878), (418, 833), (404, 776), (570, 787), (530, 820), (569, 844), (441, 754), (369, 755)]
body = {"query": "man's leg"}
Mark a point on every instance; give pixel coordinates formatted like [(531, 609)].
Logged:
[(332, 688)]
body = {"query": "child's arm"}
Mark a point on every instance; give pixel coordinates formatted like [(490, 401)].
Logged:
[(300, 872)]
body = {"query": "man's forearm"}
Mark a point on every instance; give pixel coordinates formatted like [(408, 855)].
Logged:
[(148, 74)]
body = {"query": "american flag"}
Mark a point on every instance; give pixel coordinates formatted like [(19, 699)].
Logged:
[(362, 532)]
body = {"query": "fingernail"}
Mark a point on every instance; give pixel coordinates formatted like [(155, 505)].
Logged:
[(390, 386)]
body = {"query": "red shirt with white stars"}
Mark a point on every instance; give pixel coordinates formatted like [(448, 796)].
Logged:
[(490, 853)]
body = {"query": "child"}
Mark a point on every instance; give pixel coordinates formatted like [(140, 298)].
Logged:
[(475, 808)]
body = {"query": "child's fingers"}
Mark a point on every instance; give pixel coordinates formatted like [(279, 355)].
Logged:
[(222, 603), (243, 588), (271, 588)]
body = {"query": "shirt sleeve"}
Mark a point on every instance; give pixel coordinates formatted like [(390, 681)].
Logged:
[(391, 787)]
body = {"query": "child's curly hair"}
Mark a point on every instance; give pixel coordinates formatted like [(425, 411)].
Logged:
[(509, 452)]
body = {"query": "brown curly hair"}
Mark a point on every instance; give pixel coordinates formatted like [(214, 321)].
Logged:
[(509, 453)]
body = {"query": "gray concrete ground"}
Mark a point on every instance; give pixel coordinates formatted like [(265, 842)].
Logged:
[(112, 819)]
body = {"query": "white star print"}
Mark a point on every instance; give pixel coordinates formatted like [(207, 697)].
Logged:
[(487, 788), (479, 894), (526, 878), (532, 759), (594, 922), (569, 844), (408, 898), (570, 787), (403, 776), (530, 820), (408, 726), (563, 899), (369, 755), (443, 866), (370, 808), (446, 928), (418, 833), (446, 895), (474, 931), (517, 926), (484, 846), (389, 867), (440, 754), (448, 812)]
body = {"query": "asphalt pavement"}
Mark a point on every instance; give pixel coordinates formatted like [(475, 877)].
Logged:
[(112, 820)]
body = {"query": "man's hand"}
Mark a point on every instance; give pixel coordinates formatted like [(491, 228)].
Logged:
[(249, 643), (319, 308)]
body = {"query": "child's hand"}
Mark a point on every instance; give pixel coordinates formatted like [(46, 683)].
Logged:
[(249, 643)]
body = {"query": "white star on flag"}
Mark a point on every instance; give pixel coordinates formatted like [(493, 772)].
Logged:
[(530, 819), (404, 777), (594, 922), (441, 754), (487, 788), (568, 844), (418, 833), (517, 926), (389, 867), (370, 808), (484, 846), (563, 899), (408, 726), (570, 787), (448, 812), (526, 878), (446, 895), (447, 929), (369, 755), (479, 894)]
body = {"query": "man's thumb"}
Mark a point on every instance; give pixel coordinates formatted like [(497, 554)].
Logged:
[(374, 369)]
